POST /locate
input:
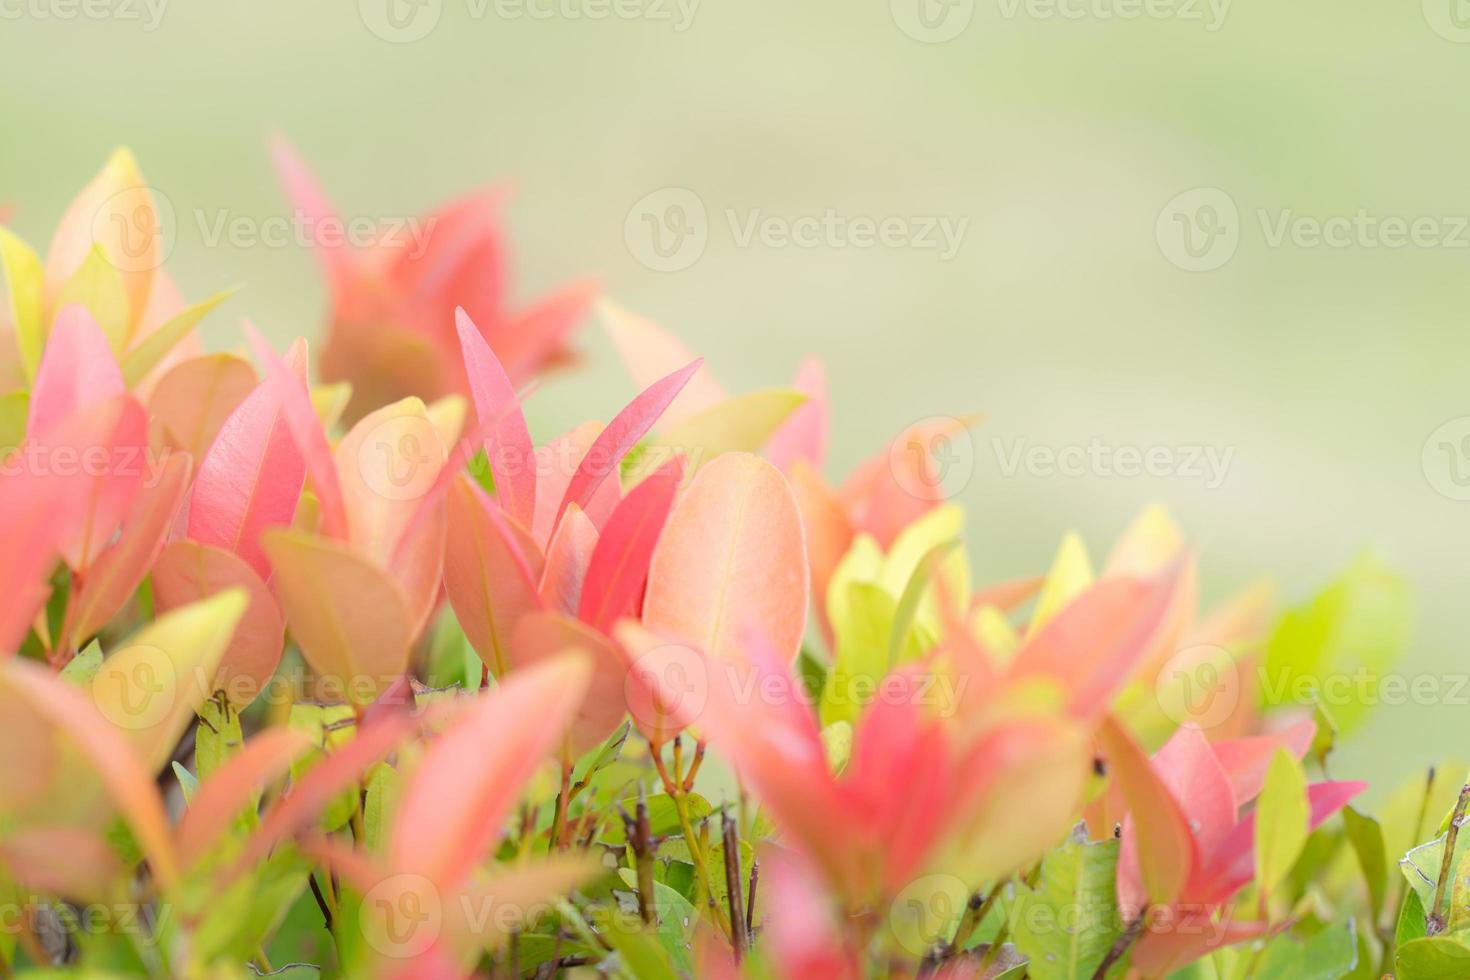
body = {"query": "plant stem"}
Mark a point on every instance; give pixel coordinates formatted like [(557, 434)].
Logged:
[(1125, 941), (739, 937), (1434, 922), (559, 818)]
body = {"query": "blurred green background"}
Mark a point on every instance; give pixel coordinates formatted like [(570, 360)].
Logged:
[(1059, 133)]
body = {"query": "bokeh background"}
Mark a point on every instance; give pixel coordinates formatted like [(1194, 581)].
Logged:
[(1059, 134)]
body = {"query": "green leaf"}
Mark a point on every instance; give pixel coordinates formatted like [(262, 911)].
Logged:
[(837, 743), (1433, 958), (217, 737), (1366, 838), (1421, 865), (1281, 821), (860, 660), (187, 781), (24, 277), (84, 666), (608, 753), (1355, 628), (676, 920), (1330, 954), (145, 355), (384, 784), (1411, 924), (98, 285), (1067, 923), (906, 638), (328, 726), (15, 407), (663, 816)]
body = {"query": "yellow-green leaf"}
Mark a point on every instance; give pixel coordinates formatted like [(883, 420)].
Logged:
[(24, 279), (1281, 821), (145, 355), (740, 424), (151, 687), (99, 286), (1070, 574)]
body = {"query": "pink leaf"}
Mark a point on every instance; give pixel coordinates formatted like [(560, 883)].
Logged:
[(544, 636), (621, 435), (567, 558), (508, 444), (307, 432), (804, 434), (618, 571), (220, 799), (454, 806), (119, 570), (77, 370), (252, 475)]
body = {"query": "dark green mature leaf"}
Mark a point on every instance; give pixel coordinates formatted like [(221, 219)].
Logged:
[(1411, 924), (1366, 838), (1067, 923), (1329, 955)]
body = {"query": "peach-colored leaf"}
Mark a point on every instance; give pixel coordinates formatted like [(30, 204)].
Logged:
[(252, 475), (567, 558), (193, 398), (122, 774), (456, 801), (542, 636), (90, 868), (187, 571), (1165, 853), (119, 570), (732, 556), (491, 569), (350, 617), (116, 213), (649, 352), (28, 512)]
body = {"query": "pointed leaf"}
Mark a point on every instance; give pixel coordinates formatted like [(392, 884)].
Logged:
[(508, 444), (1281, 821), (192, 400), (23, 279), (147, 353), (618, 571)]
